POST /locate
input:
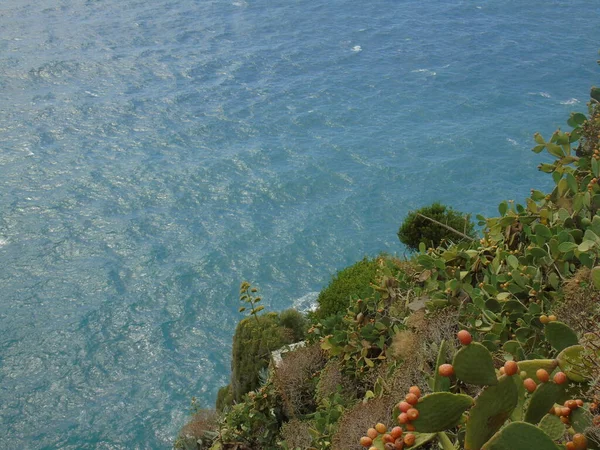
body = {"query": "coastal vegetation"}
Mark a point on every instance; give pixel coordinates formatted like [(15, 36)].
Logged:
[(472, 343)]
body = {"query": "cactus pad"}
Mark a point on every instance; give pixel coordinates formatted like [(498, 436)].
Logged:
[(492, 408), (581, 420), (440, 383), (542, 399), (570, 362), (532, 365), (552, 426), (422, 439), (560, 336), (520, 436), (440, 411), (473, 364)]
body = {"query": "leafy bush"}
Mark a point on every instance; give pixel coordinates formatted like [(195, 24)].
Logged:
[(352, 282), (255, 337), (295, 321), (224, 398), (416, 229)]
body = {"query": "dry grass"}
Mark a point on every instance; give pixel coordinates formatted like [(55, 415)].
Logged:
[(204, 420), (355, 422), (332, 379), (296, 434), (580, 307), (295, 379)]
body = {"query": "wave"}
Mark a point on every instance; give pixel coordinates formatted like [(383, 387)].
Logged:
[(306, 303), (571, 101)]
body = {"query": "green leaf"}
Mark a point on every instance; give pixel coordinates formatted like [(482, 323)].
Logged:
[(474, 364), (566, 247), (520, 436), (560, 336), (572, 182), (595, 167), (542, 399), (502, 208), (538, 138), (512, 261), (555, 150), (595, 274), (552, 426), (440, 411), (576, 119), (493, 406)]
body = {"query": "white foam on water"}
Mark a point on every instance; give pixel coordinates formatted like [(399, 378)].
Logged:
[(571, 101), (427, 72), (306, 303), (357, 48), (512, 141)]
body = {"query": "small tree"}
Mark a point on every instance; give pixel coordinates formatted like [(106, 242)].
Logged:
[(434, 224)]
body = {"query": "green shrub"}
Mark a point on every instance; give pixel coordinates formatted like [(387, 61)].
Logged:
[(416, 229), (224, 398), (352, 282), (295, 321), (255, 337)]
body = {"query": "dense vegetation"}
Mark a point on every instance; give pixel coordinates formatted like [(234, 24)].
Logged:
[(490, 343), (434, 225)]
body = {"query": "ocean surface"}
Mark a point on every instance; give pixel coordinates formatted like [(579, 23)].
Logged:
[(156, 153)]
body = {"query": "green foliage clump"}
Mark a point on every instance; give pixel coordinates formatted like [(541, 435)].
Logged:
[(294, 321), (416, 229), (224, 398), (352, 282), (254, 340)]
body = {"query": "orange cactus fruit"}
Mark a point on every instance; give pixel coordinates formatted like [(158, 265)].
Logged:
[(411, 398), (409, 439), (570, 445), (403, 418), (560, 378), (415, 390), (381, 428), (446, 370), (372, 433), (413, 414), (552, 318), (530, 385), (544, 319), (410, 427), (388, 438), (511, 368), (396, 432), (399, 444), (404, 406), (542, 375), (366, 441), (580, 441), (571, 404), (579, 402), (464, 337)]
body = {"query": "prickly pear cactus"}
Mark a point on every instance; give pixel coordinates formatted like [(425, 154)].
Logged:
[(440, 383), (542, 399), (552, 426), (520, 436), (581, 420), (474, 364), (440, 411), (492, 408), (532, 365), (560, 336), (570, 362)]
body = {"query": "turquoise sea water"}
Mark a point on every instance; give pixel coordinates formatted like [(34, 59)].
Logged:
[(154, 154)]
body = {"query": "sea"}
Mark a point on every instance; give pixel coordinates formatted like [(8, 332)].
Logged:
[(154, 154)]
